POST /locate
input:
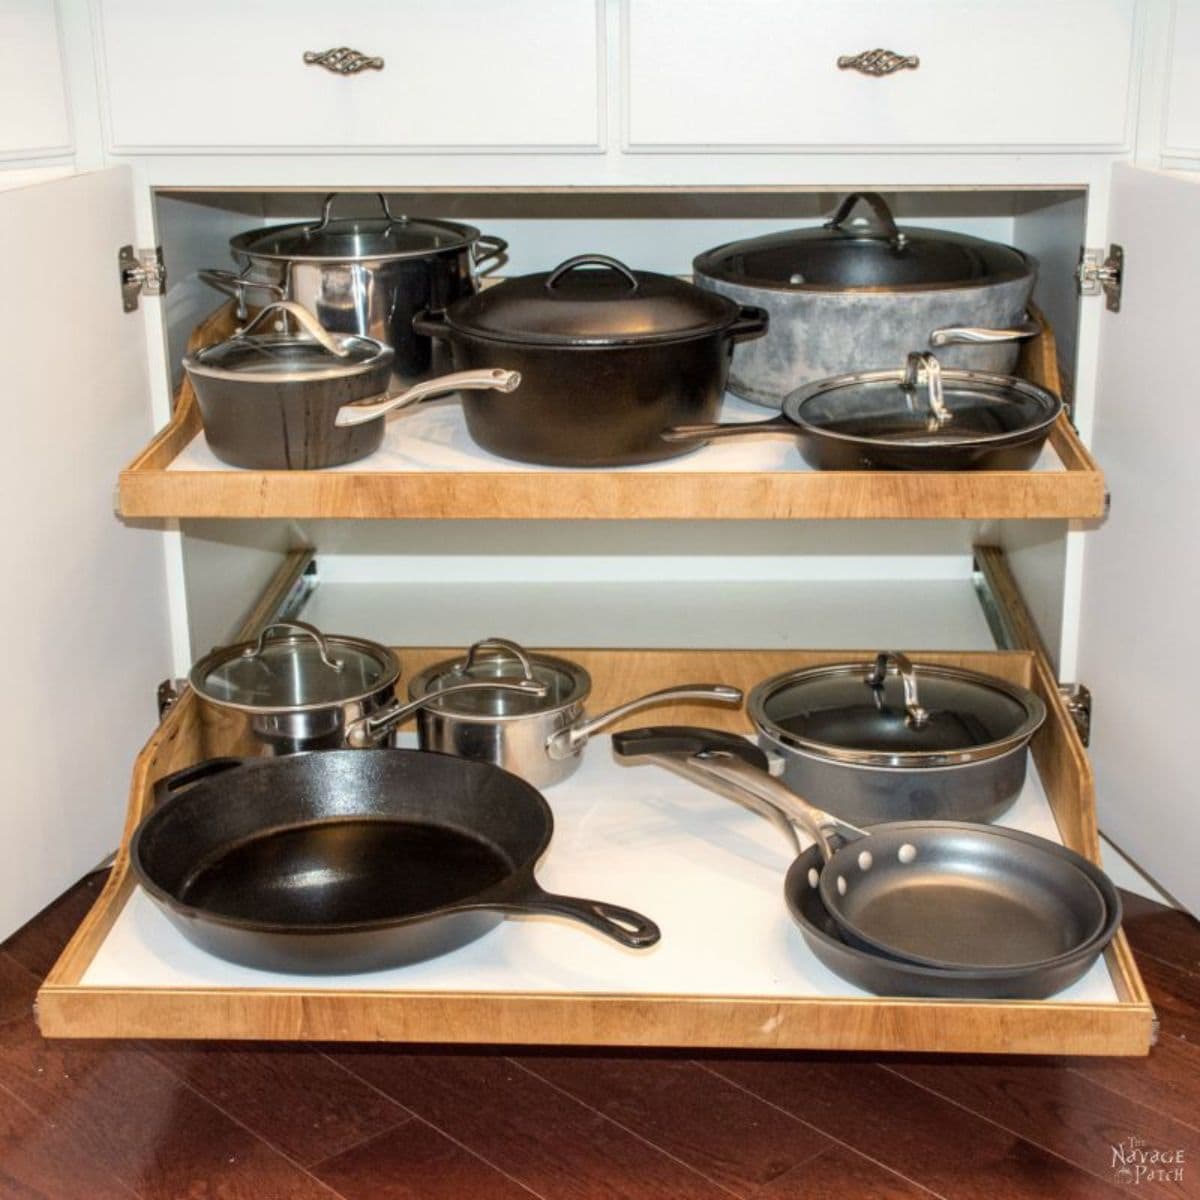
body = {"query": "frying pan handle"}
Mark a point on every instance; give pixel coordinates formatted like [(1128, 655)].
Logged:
[(178, 781), (686, 741), (706, 433), (621, 924)]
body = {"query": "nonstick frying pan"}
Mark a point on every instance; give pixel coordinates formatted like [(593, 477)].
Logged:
[(352, 860), (943, 894)]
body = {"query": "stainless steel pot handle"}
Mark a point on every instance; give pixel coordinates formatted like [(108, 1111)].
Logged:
[(367, 731), (884, 226), (343, 60), (967, 335), (570, 741), (360, 412), (495, 643), (595, 260), (302, 627), (327, 210), (493, 251), (237, 286), (304, 319), (877, 675)]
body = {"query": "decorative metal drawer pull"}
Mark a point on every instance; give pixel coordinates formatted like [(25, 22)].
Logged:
[(343, 61), (878, 62)]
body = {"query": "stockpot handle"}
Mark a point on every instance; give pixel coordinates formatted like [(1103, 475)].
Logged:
[(970, 335), (301, 627), (705, 757), (570, 741), (883, 227), (919, 363), (304, 319), (236, 286), (493, 251), (367, 731), (431, 323), (730, 429), (495, 643), (593, 260), (327, 212), (526, 895), (360, 412), (878, 673), (178, 781)]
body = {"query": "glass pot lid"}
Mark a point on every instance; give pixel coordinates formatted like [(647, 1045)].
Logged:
[(592, 300), (924, 403), (566, 682), (870, 253), (293, 667), (890, 713)]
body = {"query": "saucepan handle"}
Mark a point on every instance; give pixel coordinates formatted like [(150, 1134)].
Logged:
[(621, 924), (715, 430), (968, 335), (360, 412), (181, 780)]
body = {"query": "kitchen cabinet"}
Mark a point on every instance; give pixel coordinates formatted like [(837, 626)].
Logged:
[(1181, 119), (35, 122)]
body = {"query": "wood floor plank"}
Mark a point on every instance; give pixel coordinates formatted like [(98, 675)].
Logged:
[(416, 1162), (293, 1097), (37, 944), (721, 1130), (1175, 994), (18, 990), (1166, 1082), (554, 1145), (840, 1172), (1063, 1112), (1166, 933), (920, 1136)]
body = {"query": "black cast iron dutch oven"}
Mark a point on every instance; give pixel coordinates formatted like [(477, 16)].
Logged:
[(609, 358)]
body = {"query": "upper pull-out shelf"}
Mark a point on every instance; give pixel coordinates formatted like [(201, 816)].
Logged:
[(428, 467)]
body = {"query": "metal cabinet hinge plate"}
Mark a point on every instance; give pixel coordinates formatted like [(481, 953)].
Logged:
[(142, 274), (167, 694), (1078, 700), (1098, 272)]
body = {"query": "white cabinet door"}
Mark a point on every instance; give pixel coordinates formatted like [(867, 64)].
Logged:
[(460, 74), (34, 122), (764, 74), (1140, 630), (1181, 128), (83, 606)]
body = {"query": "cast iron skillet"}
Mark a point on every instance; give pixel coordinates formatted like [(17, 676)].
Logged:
[(352, 860), (734, 766)]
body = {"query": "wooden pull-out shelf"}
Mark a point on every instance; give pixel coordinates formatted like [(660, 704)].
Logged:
[(731, 971), (428, 467)]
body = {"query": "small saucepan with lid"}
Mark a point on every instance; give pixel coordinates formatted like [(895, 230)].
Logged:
[(539, 737), (921, 417), (307, 690)]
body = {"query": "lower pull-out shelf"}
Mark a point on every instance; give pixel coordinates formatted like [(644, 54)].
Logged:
[(731, 969)]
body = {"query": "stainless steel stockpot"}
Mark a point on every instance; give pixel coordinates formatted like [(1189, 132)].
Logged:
[(540, 738), (887, 740)]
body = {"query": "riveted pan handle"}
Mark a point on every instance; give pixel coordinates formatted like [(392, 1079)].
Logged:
[(591, 260), (362, 411), (716, 430), (181, 780), (974, 335), (614, 921)]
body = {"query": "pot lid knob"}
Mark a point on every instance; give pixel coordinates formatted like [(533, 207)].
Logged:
[(924, 364), (877, 675), (882, 228), (497, 643), (301, 627), (592, 260)]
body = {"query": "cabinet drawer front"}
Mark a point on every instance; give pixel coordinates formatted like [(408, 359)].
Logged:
[(764, 74), (483, 74), (34, 122)]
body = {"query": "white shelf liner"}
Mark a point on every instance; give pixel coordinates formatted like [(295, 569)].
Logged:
[(433, 437), (709, 872)]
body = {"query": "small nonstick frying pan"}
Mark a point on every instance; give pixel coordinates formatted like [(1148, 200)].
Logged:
[(942, 894), (352, 860)]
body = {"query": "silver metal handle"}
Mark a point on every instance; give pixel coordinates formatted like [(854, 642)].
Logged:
[(878, 62), (327, 212), (302, 627), (495, 643), (917, 364), (342, 60), (304, 319), (917, 716), (965, 335), (361, 412), (568, 742), (237, 286), (493, 249), (367, 731)]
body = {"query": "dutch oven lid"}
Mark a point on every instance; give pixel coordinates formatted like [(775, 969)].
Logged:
[(566, 682), (352, 239), (872, 254), (924, 404), (576, 306), (888, 713), (312, 354), (293, 667)]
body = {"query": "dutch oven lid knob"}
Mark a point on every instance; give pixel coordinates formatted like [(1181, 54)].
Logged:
[(877, 676), (594, 260)]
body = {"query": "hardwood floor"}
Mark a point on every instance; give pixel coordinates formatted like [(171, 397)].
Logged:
[(194, 1121)]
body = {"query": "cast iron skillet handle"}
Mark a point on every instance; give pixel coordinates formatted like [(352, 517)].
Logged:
[(968, 335), (361, 411), (493, 252), (595, 260), (751, 322), (431, 324), (884, 226), (570, 741), (237, 286), (877, 675), (181, 780), (621, 924), (715, 430)]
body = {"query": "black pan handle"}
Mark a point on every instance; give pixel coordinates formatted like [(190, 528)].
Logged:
[(621, 924), (178, 781), (706, 433), (592, 260), (686, 741), (431, 324), (751, 322)]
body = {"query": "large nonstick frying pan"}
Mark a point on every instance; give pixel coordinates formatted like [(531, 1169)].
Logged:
[(352, 860), (956, 897)]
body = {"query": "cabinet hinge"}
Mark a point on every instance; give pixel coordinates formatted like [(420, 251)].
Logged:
[(167, 694), (1078, 700), (142, 274), (1098, 273)]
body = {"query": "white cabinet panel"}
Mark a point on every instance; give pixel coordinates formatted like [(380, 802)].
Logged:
[(34, 121), (1139, 638), (1181, 135), (83, 604), (224, 75), (764, 73)]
